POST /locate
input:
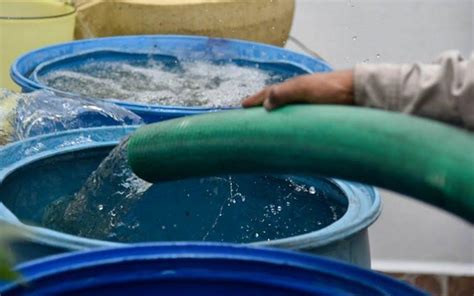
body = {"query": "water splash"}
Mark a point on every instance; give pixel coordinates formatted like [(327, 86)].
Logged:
[(195, 83), (106, 196), (114, 204)]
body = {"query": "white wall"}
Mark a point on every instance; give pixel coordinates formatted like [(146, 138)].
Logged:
[(409, 235), (398, 30)]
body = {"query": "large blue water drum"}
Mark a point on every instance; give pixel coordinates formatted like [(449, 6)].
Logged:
[(30, 68), (198, 269), (317, 215)]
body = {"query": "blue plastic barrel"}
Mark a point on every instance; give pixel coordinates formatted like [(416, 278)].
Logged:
[(199, 269), (39, 170), (26, 68)]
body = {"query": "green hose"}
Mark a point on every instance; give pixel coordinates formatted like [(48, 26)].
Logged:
[(418, 157)]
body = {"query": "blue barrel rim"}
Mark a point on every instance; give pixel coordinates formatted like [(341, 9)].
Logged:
[(55, 265), (364, 202), (34, 77), (124, 103), (29, 84)]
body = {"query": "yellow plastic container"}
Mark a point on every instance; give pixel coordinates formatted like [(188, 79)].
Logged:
[(267, 21), (29, 24)]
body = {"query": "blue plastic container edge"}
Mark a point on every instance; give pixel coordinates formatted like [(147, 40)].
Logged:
[(73, 261), (364, 202), (34, 78), (16, 74), (23, 80)]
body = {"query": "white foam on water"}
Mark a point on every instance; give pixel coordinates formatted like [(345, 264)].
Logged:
[(197, 83)]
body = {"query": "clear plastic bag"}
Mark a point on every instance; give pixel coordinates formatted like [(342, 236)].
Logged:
[(42, 112)]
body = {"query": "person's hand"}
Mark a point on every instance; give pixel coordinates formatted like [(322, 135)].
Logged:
[(320, 88)]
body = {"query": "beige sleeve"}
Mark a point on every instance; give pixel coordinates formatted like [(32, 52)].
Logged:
[(443, 90)]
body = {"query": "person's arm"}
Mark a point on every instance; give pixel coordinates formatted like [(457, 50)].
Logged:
[(443, 90)]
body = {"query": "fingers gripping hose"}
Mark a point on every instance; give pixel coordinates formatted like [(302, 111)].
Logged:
[(418, 157)]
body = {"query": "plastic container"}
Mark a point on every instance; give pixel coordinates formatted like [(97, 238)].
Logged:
[(73, 155), (41, 112), (247, 20), (181, 47), (27, 25), (199, 269)]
